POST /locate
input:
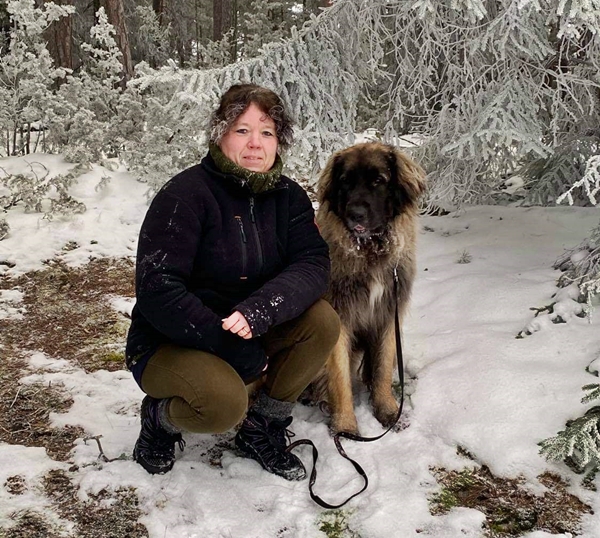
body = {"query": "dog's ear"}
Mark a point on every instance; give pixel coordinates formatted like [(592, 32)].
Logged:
[(329, 180), (407, 177)]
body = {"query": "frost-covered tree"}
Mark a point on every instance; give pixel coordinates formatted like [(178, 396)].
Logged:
[(494, 86), (581, 265), (152, 36), (27, 74), (262, 22), (115, 11), (91, 116)]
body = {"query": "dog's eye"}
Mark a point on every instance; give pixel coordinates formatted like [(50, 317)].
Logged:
[(344, 184), (379, 180)]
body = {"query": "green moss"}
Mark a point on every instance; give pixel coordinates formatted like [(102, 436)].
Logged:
[(443, 501), (113, 356), (448, 497), (334, 524)]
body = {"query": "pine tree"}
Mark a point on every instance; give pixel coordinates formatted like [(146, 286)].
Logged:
[(86, 109)]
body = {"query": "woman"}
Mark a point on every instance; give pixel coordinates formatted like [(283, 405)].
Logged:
[(230, 271)]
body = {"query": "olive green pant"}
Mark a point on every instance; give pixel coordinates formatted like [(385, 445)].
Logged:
[(208, 396)]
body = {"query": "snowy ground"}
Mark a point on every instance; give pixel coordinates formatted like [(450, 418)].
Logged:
[(475, 385)]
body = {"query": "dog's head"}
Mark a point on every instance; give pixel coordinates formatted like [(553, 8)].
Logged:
[(368, 185)]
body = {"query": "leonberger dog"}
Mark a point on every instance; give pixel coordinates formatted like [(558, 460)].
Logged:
[(369, 204)]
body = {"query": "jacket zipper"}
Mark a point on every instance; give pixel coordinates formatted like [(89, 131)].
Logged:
[(244, 248), (256, 236)]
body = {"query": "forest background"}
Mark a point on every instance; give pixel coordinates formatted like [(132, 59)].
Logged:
[(499, 93)]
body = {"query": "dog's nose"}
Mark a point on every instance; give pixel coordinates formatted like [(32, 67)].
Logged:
[(358, 213)]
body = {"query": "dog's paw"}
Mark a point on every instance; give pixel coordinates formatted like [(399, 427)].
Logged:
[(386, 414), (402, 424), (343, 424)]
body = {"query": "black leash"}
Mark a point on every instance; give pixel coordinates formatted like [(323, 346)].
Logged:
[(351, 436)]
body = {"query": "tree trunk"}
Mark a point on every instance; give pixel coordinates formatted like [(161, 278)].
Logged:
[(59, 36), (97, 6), (234, 24), (222, 18), (159, 8), (116, 16), (198, 33)]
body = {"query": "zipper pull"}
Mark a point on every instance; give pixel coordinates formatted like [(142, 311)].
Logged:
[(252, 209), (239, 220)]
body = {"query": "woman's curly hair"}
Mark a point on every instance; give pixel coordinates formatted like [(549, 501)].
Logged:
[(237, 99)]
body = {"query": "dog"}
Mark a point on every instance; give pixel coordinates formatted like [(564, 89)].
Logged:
[(368, 213)]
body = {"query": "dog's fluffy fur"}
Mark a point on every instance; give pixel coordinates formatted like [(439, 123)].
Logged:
[(368, 212)]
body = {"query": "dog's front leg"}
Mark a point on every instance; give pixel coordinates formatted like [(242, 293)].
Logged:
[(384, 403), (339, 387)]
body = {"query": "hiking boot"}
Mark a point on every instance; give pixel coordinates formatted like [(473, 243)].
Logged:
[(155, 447), (265, 440)]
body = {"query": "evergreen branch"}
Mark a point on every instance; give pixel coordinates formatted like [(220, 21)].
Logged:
[(594, 393), (578, 444)]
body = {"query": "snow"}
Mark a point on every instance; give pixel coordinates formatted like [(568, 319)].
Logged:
[(477, 386), (109, 227), (9, 304)]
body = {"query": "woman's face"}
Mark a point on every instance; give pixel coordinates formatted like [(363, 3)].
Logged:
[(252, 140)]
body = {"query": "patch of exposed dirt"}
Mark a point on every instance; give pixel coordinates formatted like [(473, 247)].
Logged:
[(509, 507), (15, 485), (65, 314), (30, 524), (68, 314), (110, 514), (25, 410)]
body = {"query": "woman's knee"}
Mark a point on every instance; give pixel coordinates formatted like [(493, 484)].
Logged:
[(213, 412), (224, 411), (209, 396)]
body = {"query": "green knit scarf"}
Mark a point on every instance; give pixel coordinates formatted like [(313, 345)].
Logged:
[(258, 181)]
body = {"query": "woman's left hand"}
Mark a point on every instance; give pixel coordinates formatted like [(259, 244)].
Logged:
[(237, 324)]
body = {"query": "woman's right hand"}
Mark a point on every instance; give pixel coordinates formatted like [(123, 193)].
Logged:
[(237, 324)]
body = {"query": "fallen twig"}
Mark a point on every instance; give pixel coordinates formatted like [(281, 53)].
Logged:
[(102, 456), (16, 396)]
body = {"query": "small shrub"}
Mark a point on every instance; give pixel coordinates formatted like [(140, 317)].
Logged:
[(464, 257)]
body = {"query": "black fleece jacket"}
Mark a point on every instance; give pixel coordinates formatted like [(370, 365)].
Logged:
[(209, 246)]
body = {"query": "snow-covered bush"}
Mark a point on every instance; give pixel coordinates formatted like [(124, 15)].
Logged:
[(92, 117), (27, 75), (41, 194), (589, 182), (545, 177), (582, 264)]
